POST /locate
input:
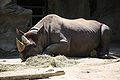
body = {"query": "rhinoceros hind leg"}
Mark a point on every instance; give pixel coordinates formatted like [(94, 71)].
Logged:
[(105, 41)]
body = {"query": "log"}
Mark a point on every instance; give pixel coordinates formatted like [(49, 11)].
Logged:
[(31, 74)]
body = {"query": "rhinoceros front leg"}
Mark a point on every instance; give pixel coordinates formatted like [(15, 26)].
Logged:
[(61, 48), (61, 45)]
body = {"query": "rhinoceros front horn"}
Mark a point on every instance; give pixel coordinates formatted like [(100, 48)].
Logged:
[(20, 45)]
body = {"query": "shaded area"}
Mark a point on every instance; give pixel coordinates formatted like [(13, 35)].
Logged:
[(6, 54), (115, 49), (12, 16)]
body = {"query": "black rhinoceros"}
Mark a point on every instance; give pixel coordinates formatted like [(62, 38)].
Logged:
[(54, 35)]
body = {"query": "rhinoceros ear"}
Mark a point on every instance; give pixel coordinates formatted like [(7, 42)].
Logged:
[(20, 45), (42, 30)]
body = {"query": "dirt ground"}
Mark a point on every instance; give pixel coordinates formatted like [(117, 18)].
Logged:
[(87, 69), (92, 69)]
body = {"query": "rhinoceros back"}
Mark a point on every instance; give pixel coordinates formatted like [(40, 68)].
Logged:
[(84, 36)]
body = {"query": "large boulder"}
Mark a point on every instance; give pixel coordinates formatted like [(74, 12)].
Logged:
[(12, 16)]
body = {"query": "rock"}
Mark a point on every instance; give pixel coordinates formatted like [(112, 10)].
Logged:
[(12, 16)]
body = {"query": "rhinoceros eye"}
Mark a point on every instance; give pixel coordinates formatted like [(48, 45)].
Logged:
[(33, 45)]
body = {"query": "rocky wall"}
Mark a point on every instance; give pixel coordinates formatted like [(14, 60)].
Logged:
[(108, 12), (12, 16), (69, 8), (105, 11)]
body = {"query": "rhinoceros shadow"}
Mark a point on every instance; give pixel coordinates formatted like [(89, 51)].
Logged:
[(115, 49)]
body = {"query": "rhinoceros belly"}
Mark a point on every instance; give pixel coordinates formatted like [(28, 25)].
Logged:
[(83, 44)]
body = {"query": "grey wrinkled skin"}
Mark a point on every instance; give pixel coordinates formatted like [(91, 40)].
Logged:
[(54, 35)]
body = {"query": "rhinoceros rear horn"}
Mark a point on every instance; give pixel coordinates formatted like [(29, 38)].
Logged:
[(19, 32), (25, 40), (20, 45)]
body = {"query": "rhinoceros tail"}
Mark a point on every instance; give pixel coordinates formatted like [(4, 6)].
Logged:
[(105, 40)]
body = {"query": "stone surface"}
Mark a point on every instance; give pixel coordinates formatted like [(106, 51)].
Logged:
[(69, 8), (105, 11), (12, 16), (108, 12)]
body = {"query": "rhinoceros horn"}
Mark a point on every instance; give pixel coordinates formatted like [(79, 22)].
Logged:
[(25, 40), (20, 45), (19, 32)]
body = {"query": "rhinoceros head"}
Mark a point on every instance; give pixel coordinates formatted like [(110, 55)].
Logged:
[(31, 43), (26, 48)]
